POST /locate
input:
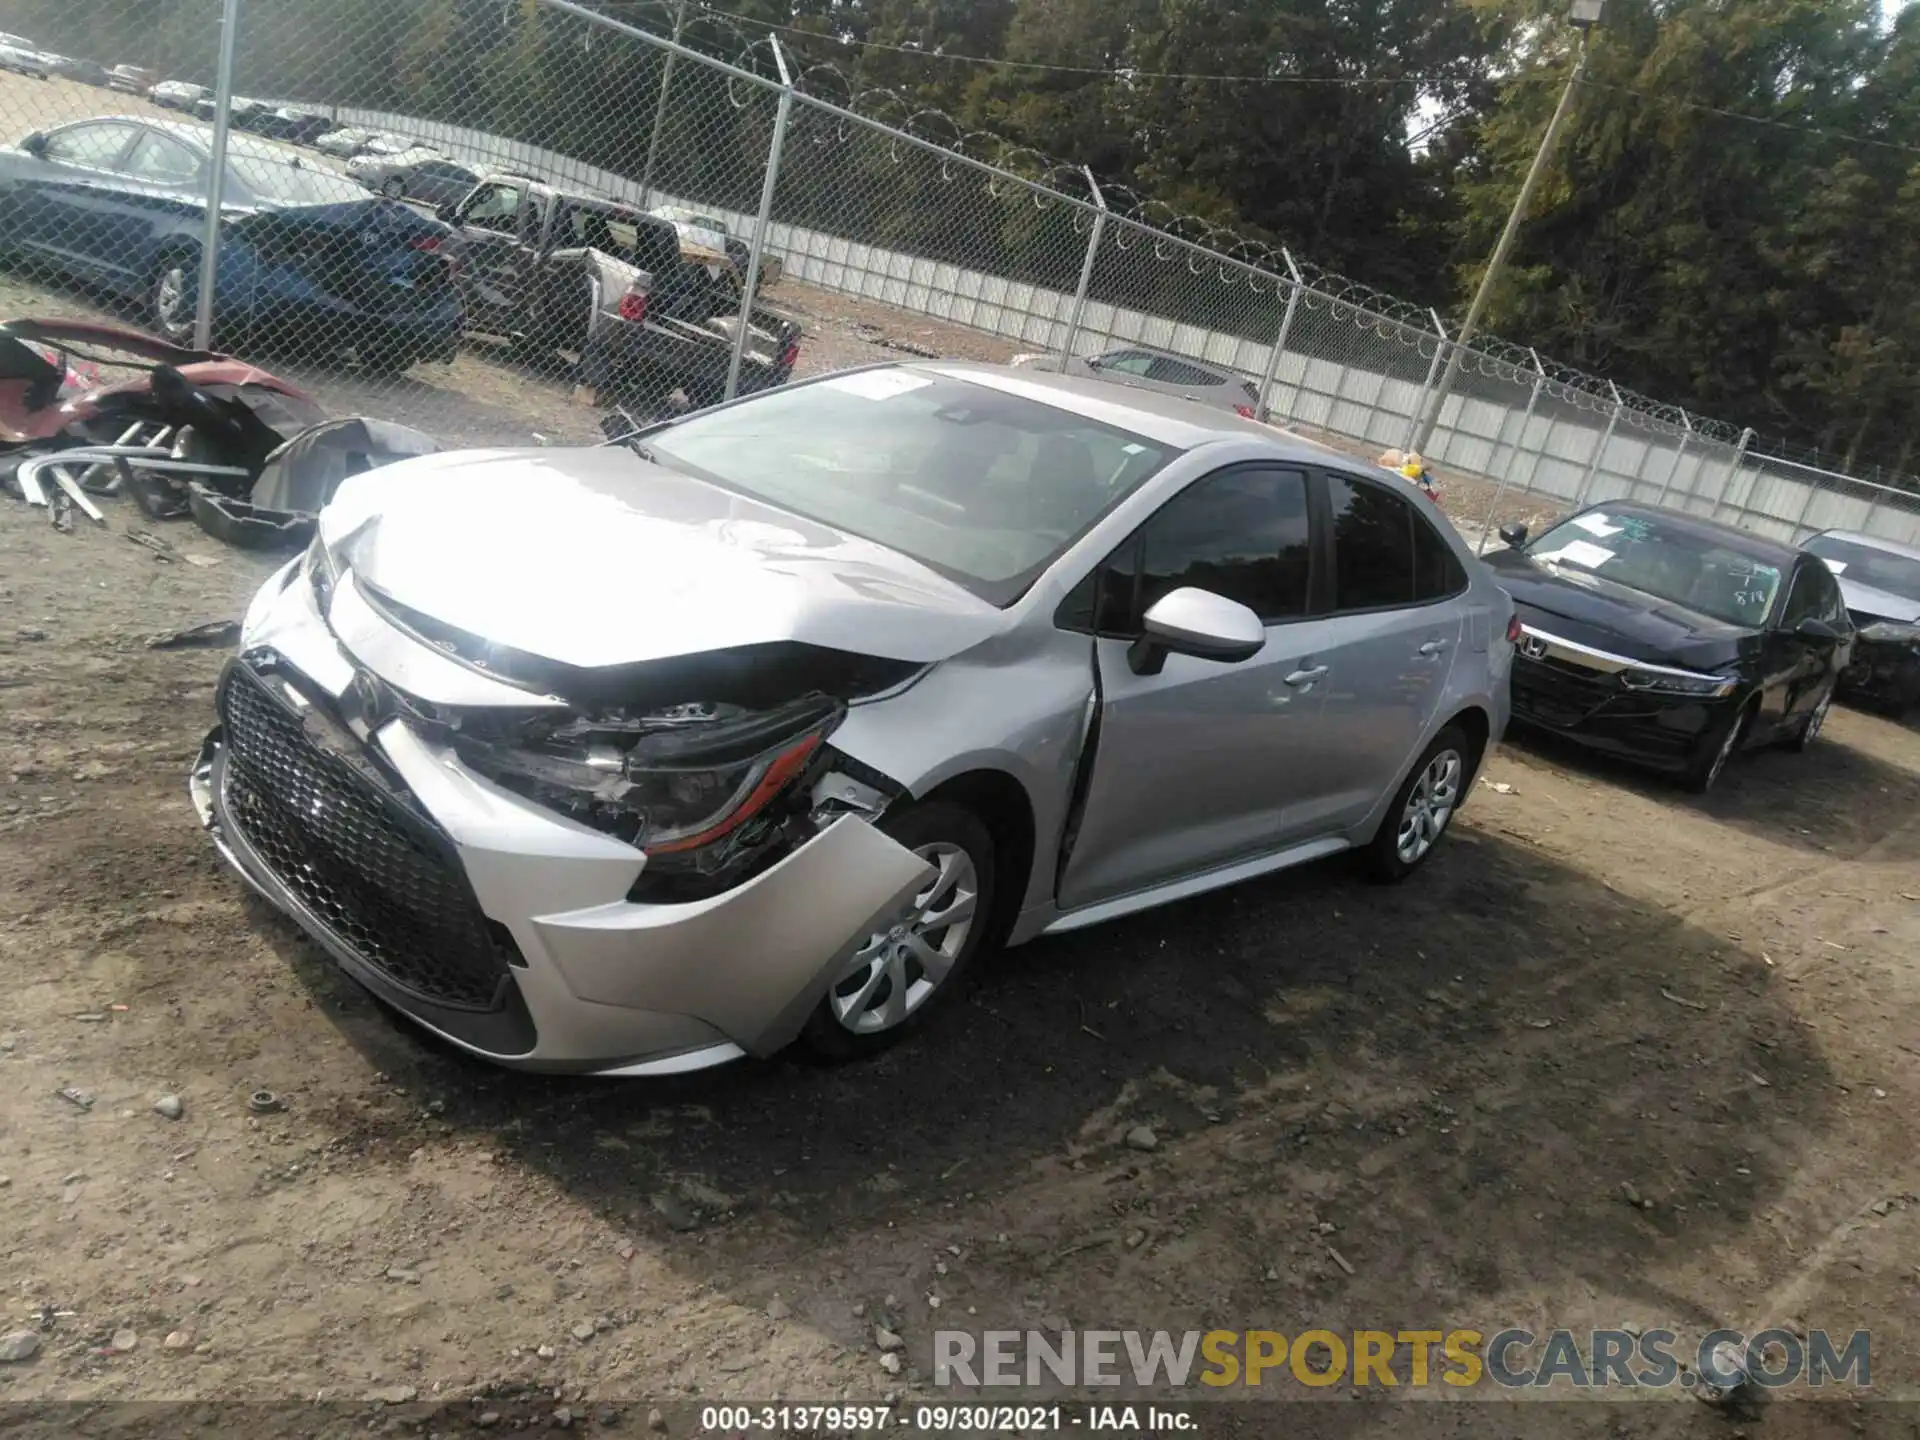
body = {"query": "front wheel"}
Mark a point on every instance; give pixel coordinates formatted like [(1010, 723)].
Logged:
[(1422, 808), (897, 975)]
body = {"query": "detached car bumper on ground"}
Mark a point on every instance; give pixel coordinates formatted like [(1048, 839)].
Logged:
[(759, 725)]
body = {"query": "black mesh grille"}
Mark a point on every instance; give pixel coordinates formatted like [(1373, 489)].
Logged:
[(1559, 694), (381, 879)]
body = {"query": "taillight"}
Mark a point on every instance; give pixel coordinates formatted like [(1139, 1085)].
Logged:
[(633, 306), (790, 356), (431, 245), (1245, 412), (1513, 630)]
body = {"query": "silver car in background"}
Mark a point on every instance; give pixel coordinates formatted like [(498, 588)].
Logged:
[(424, 175), (1156, 370), (755, 726)]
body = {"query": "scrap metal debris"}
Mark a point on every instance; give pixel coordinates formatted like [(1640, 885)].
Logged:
[(213, 635)]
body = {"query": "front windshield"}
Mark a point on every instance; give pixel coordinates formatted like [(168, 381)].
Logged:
[(987, 488), (1865, 565), (1677, 564)]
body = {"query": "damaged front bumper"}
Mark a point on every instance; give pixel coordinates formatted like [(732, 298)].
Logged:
[(499, 925)]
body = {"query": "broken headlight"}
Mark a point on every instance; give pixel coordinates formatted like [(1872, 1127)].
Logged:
[(674, 781), (323, 573)]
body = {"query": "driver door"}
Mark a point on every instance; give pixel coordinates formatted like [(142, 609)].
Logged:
[(1799, 667), (487, 237), (1206, 762)]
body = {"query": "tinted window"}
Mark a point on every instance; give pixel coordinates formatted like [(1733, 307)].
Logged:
[(1437, 572), (1816, 595), (985, 487), (1373, 548), (1243, 534), (1173, 372), (97, 146), (163, 160)]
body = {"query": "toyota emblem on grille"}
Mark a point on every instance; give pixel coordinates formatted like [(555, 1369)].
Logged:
[(1533, 647)]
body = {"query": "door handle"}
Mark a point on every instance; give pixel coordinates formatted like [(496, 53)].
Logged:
[(1433, 647), (1306, 677)]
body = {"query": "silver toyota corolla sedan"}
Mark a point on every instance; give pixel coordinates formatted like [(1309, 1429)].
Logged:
[(756, 726)]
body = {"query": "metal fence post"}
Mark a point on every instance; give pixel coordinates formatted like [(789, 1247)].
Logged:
[(1733, 473), (1280, 340), (216, 176), (660, 109), (1539, 379), (1086, 266), (751, 288), (1600, 450), (1426, 387), (1678, 456)]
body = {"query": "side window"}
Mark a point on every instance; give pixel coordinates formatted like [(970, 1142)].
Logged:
[(495, 208), (1804, 599), (1437, 572), (97, 146), (1243, 534), (1127, 362), (1834, 603), (164, 161), (1173, 372), (539, 207), (1373, 549)]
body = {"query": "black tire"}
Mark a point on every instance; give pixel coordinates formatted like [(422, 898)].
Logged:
[(1808, 730), (1716, 748), (394, 188), (920, 828), (1385, 859)]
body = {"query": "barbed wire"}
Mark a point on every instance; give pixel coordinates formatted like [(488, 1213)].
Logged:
[(1206, 248)]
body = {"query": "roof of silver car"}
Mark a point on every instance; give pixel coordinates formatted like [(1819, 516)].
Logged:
[(1871, 542), (1163, 419)]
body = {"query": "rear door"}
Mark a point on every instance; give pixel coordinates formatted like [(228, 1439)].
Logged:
[(1397, 620), (1204, 763)]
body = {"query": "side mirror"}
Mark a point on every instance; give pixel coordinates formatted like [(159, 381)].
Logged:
[(35, 144), (1093, 362), (1199, 623), (1814, 628), (445, 211), (1515, 536)]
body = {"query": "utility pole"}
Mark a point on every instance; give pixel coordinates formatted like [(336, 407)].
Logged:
[(1586, 14)]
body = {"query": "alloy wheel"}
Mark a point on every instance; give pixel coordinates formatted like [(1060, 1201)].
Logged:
[(1817, 718), (897, 970), (170, 303), (1725, 752), (1430, 805)]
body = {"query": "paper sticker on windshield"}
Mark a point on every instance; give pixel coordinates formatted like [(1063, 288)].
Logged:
[(1582, 552), (1596, 524), (877, 384), (1131, 449), (1839, 567)]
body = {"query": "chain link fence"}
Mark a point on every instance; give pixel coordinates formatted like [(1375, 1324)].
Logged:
[(491, 219)]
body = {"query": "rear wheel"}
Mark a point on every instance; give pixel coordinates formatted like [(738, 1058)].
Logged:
[(1422, 808), (1716, 748), (899, 974), (1809, 730)]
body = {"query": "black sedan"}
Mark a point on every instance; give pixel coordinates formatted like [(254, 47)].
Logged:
[(1880, 581), (1669, 640), (308, 259)]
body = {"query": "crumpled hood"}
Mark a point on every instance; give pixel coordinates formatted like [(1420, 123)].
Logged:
[(596, 557), (1868, 601), (1595, 611)]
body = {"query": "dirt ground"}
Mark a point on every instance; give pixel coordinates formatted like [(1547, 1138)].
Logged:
[(1423, 1107)]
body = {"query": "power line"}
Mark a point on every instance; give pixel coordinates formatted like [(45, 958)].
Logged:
[(1770, 122), (1104, 72)]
